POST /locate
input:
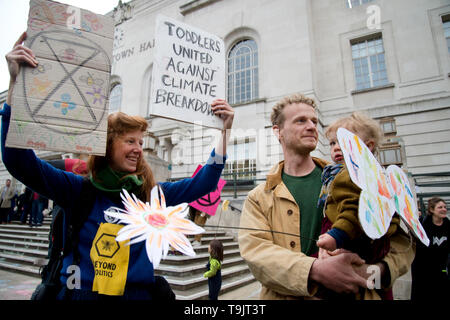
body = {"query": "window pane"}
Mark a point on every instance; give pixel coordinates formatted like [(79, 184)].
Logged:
[(447, 29), (371, 57), (244, 57), (241, 160), (389, 156), (354, 3), (388, 127), (115, 98)]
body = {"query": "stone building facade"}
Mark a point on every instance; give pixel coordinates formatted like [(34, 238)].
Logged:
[(389, 59)]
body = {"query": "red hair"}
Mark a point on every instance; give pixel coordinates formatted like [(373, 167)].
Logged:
[(119, 124)]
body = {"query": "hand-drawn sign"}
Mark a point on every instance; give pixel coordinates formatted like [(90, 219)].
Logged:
[(62, 104), (208, 203), (188, 73), (95, 115)]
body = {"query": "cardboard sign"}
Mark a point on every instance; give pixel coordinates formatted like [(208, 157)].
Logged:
[(188, 73), (383, 194), (62, 104), (209, 203)]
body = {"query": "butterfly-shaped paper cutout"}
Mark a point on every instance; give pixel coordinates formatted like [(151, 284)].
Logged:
[(156, 224), (383, 192)]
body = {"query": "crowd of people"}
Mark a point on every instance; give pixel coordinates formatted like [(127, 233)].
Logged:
[(303, 199), (28, 206)]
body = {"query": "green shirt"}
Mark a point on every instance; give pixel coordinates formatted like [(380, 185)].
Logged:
[(306, 190)]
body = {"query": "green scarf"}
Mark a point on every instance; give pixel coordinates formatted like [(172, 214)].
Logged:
[(112, 182)]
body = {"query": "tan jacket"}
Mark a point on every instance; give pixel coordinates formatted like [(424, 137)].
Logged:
[(275, 259), (6, 202)]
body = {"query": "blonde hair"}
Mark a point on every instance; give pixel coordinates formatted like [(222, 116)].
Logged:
[(361, 125), (277, 116), (119, 124)]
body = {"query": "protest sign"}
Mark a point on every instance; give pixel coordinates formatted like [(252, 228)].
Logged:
[(62, 104), (383, 192), (188, 73), (209, 203)]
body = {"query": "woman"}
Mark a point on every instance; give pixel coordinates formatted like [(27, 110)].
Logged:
[(429, 269), (105, 268)]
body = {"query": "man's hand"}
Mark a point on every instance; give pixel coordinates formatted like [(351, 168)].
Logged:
[(366, 270), (337, 272)]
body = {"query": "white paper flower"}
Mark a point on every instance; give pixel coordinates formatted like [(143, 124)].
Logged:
[(158, 225)]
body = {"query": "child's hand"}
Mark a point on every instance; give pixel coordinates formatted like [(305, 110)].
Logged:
[(326, 242), (323, 254)]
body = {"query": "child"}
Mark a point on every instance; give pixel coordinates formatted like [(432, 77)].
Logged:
[(340, 196), (213, 274)]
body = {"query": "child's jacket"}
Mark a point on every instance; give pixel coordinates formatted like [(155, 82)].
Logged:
[(342, 207), (214, 266)]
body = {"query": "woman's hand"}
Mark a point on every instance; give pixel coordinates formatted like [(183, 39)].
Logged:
[(221, 108), (19, 54)]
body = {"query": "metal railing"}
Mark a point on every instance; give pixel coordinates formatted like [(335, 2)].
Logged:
[(443, 184), (239, 183)]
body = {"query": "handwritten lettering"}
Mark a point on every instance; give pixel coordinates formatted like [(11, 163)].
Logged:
[(83, 148), (36, 144), (188, 73), (181, 101), (192, 37)]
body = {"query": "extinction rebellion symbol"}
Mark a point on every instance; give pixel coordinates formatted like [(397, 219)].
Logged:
[(62, 97)]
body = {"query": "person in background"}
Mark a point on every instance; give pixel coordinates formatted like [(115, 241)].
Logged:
[(24, 205), (430, 267), (214, 267), (7, 192), (200, 220), (38, 204)]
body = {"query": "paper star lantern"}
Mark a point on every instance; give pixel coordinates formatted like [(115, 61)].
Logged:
[(156, 224)]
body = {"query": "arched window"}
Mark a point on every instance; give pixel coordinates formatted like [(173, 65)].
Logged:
[(115, 98), (243, 72)]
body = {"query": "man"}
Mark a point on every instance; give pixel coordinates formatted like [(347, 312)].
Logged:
[(286, 206), (24, 204), (7, 192), (200, 220)]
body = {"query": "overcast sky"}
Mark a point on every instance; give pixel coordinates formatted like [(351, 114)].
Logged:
[(13, 21)]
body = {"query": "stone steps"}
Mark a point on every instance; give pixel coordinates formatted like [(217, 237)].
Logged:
[(24, 249)]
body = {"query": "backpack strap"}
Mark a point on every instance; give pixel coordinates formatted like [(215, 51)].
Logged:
[(78, 217)]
